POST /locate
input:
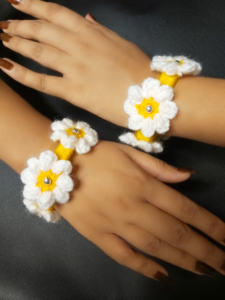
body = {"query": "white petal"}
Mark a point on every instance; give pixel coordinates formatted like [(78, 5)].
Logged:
[(61, 196), (129, 106), (82, 125), (91, 137), (58, 125), (157, 147), (82, 146), (149, 85), (68, 123), (32, 207), (162, 124), (28, 177), (46, 200), (135, 93), (60, 166), (169, 109), (57, 135), (65, 182), (51, 216), (46, 159), (69, 142), (135, 122), (148, 128), (33, 165), (164, 93), (31, 192)]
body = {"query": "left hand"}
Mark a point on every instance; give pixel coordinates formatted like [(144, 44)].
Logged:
[(98, 66)]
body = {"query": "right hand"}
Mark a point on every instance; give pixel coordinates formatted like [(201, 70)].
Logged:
[(120, 199)]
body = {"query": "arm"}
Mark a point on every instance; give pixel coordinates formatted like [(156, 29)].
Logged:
[(99, 65)]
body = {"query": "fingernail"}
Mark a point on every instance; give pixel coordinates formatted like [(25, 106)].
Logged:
[(186, 170), (15, 2), (6, 64), (204, 269), (223, 266), (5, 37), (4, 24), (163, 278), (92, 16)]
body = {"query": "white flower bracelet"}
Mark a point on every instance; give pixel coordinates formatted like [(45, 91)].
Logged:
[(150, 107), (47, 179)]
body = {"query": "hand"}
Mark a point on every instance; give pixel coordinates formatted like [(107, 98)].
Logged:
[(98, 66), (120, 199)]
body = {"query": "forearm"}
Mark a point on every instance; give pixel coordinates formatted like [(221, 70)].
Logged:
[(24, 132), (201, 103)]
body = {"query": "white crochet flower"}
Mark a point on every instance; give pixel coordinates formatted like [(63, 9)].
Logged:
[(172, 65), (150, 107), (79, 135), (130, 139), (47, 180), (50, 215)]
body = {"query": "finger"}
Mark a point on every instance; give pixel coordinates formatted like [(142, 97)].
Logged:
[(122, 253), (43, 32), (150, 244), (156, 167), (48, 84), (90, 18), (47, 56), (52, 12), (178, 234), (184, 209)]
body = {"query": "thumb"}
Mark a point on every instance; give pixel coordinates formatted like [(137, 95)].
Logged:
[(158, 168)]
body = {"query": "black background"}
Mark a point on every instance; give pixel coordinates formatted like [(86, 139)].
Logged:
[(42, 261)]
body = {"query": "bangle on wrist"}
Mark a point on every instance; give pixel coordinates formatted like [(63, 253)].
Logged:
[(150, 107), (47, 179)]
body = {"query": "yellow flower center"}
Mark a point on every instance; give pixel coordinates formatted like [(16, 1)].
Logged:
[(79, 133), (141, 137), (47, 181), (148, 108)]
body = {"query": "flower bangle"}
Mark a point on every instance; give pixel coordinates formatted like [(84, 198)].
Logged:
[(47, 178), (150, 107)]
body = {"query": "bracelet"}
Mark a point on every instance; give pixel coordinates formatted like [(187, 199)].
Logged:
[(47, 178), (150, 107)]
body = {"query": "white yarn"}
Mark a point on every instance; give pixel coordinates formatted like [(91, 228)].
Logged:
[(162, 94), (171, 66), (130, 139), (49, 215), (82, 144), (63, 185)]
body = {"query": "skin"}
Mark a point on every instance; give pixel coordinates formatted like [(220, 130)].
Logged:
[(125, 201), (98, 65), (139, 207)]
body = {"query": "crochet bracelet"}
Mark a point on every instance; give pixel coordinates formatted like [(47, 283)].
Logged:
[(150, 107), (47, 179)]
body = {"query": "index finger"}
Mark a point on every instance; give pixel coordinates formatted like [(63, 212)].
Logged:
[(51, 12)]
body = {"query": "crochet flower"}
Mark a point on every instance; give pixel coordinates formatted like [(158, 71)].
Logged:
[(47, 180), (50, 215), (150, 107), (172, 65), (79, 135), (154, 145)]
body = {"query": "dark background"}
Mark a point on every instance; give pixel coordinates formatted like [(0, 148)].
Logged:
[(42, 261)]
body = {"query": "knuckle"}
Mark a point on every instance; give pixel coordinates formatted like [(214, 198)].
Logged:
[(188, 210), (52, 9), (22, 74), (153, 246), (180, 234), (124, 257), (36, 25), (14, 25), (38, 50), (214, 226), (143, 267), (182, 259), (120, 203), (209, 253), (42, 82)]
